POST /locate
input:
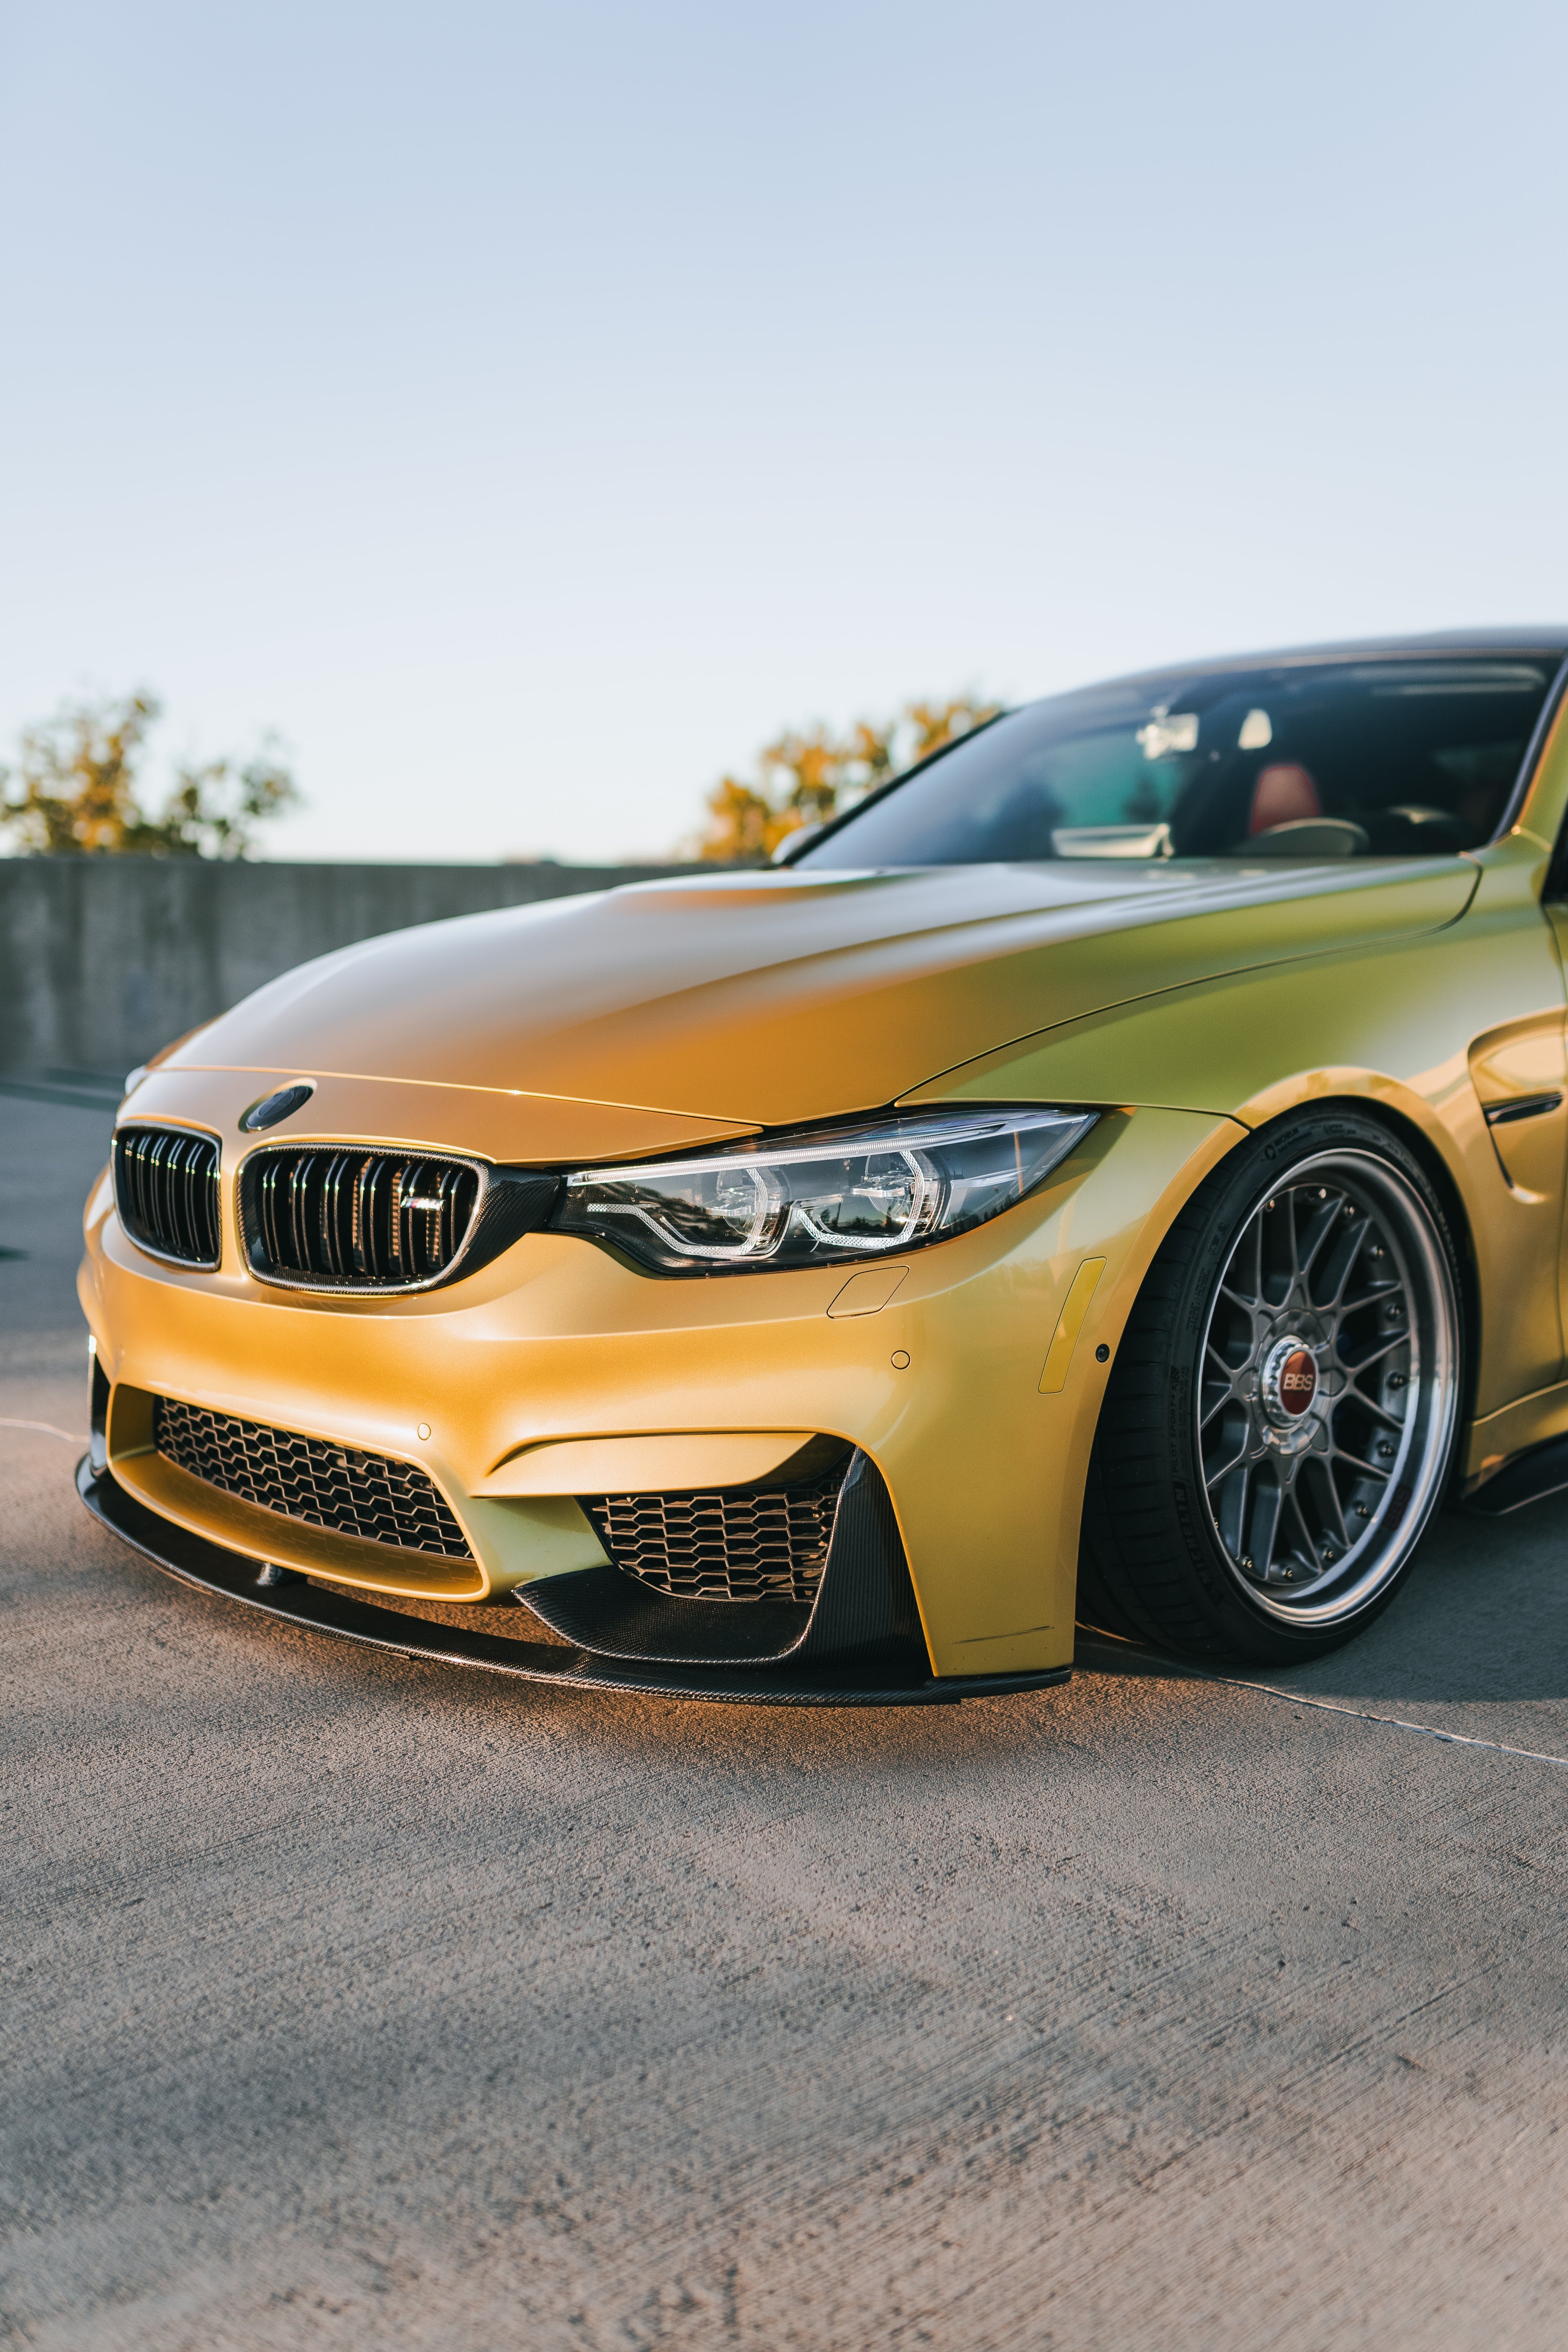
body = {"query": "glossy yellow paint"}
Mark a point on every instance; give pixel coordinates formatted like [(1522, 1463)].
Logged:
[(1432, 1027), (495, 1123), (1389, 1024), (768, 999), (1512, 1066), (559, 1342), (1190, 1003), (649, 1466), (868, 1292)]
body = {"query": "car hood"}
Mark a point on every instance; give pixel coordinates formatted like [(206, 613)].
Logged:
[(740, 1001)]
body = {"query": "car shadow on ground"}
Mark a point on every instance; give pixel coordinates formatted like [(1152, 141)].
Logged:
[(1483, 1617)]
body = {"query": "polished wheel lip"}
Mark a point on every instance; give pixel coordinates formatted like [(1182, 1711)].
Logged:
[(1418, 1308)]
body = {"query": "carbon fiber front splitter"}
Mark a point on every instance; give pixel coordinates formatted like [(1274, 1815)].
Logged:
[(211, 1568)]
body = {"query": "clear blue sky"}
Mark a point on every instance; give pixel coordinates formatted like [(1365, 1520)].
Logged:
[(528, 409)]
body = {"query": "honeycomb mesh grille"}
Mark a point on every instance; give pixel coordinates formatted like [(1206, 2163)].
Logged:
[(332, 1487), (166, 1191), (741, 1543)]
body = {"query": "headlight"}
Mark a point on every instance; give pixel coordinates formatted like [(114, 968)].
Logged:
[(831, 1197)]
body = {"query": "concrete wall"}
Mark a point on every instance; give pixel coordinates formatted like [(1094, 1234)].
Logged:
[(103, 960)]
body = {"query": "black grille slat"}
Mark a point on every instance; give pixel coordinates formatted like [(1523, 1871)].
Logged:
[(354, 1220), (299, 1176), (332, 1487), (738, 1543), (166, 1191)]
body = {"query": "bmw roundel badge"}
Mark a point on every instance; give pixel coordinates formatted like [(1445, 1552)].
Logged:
[(273, 1107)]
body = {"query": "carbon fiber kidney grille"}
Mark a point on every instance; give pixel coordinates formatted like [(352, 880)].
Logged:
[(166, 1192), (354, 1220), (332, 1487), (739, 1543)]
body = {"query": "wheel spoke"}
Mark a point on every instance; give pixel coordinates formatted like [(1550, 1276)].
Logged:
[(1308, 1540), (1266, 1510), (1372, 1298), (1373, 1405), (1251, 1243), (1375, 1355), (1317, 1478), (1367, 1469), (1351, 1256), (1329, 1216), (1230, 1508), (1331, 1486), (1235, 1463)]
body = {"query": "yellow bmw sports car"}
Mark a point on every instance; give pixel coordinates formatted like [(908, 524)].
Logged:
[(1115, 1171)]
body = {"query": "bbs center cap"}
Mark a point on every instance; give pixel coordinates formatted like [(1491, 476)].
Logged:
[(1289, 1382)]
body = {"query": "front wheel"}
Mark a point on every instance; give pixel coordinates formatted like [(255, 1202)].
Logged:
[(1281, 1421)]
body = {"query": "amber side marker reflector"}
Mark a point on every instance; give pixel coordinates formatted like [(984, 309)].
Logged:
[(1070, 1323)]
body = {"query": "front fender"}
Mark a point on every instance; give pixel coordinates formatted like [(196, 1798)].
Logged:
[(1390, 1024)]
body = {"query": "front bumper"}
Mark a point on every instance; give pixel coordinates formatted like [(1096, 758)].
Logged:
[(209, 1567), (950, 1388)]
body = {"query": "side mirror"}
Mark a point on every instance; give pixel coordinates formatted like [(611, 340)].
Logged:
[(791, 845)]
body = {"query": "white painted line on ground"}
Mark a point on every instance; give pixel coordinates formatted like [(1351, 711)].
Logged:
[(48, 1428), (1328, 1705), (1396, 1722)]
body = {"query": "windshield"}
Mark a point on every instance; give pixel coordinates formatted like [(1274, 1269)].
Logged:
[(1383, 758)]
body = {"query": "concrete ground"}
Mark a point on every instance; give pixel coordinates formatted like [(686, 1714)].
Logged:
[(351, 2001)]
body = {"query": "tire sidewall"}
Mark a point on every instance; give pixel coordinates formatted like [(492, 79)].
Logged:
[(1240, 1185)]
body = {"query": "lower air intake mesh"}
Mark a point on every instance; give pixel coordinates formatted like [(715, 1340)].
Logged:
[(738, 1543), (332, 1487)]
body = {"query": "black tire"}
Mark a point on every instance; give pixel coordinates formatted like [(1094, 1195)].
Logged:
[(1281, 1421)]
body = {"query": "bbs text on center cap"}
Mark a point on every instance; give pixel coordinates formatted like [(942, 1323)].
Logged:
[(1289, 1380)]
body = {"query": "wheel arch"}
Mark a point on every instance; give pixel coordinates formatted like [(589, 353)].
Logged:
[(1128, 1580)]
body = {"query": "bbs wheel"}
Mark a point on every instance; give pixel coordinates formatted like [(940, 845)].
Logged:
[(1279, 1425)]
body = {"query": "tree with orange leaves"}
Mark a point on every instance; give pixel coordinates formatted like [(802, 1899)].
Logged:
[(78, 781), (806, 776)]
